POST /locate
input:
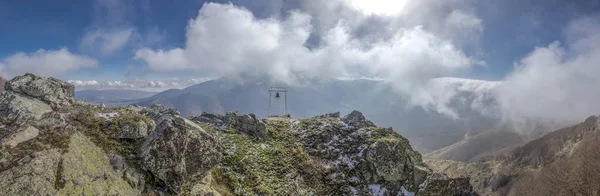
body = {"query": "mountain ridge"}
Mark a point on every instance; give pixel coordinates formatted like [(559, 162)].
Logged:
[(53, 144)]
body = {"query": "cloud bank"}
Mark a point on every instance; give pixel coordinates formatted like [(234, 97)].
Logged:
[(227, 40), (45, 63), (143, 85), (558, 81)]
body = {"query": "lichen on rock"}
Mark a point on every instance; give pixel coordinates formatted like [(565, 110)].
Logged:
[(52, 91), (34, 176), (86, 170), (246, 124), (179, 151)]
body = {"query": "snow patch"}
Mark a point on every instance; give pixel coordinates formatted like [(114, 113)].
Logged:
[(354, 179), (405, 192), (107, 116), (377, 190), (343, 159), (353, 191)]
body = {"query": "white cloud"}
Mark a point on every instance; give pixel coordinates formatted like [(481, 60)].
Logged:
[(107, 41), (558, 81), (112, 29), (226, 40), (45, 63), (145, 85), (441, 95)]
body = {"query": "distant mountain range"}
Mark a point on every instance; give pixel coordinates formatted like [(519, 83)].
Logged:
[(112, 97)]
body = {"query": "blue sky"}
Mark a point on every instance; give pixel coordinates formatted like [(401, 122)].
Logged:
[(498, 33)]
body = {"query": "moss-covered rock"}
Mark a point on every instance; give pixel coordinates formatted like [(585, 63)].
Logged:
[(131, 125), (179, 152), (36, 175), (246, 124), (85, 170)]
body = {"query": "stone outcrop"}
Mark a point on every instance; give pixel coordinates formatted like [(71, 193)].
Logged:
[(247, 124), (326, 155), (36, 176), (17, 110), (26, 100), (85, 170), (20, 136), (179, 151), (52, 91), (356, 119)]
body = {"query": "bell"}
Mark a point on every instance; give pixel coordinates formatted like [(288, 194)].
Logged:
[(277, 95)]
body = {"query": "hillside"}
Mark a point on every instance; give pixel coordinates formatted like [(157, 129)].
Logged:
[(54, 145), (567, 158), (478, 147)]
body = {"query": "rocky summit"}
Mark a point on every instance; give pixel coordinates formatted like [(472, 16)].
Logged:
[(52, 144)]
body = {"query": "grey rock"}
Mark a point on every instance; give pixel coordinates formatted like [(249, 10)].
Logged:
[(247, 124), (18, 110), (135, 130), (157, 110), (36, 177), (53, 120), (130, 174), (19, 136), (212, 119), (54, 92), (135, 178), (117, 162), (204, 188), (179, 151), (389, 160), (356, 119), (330, 115), (86, 170), (440, 185)]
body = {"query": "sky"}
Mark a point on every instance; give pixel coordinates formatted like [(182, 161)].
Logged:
[(543, 52)]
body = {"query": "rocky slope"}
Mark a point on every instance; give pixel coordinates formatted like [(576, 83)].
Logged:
[(52, 144), (563, 162)]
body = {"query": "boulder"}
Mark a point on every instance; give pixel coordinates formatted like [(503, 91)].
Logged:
[(247, 124), (330, 115), (157, 110), (35, 177), (440, 185), (134, 177), (19, 136), (356, 119), (131, 125), (135, 130), (16, 109), (179, 151), (204, 187), (86, 170), (52, 91)]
